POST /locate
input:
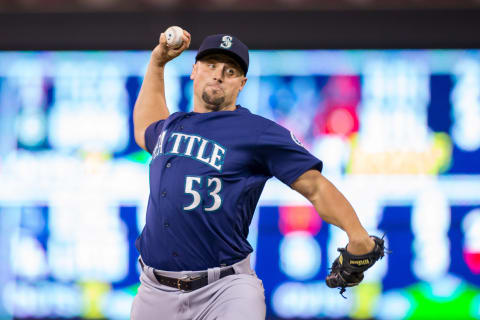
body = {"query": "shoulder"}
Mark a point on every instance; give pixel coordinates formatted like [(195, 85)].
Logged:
[(257, 120), (172, 118), (269, 131), (159, 124), (175, 115)]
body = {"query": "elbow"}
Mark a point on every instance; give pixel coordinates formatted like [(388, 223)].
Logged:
[(316, 193), (313, 196), (309, 184)]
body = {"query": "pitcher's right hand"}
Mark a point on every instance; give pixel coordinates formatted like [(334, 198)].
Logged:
[(163, 53)]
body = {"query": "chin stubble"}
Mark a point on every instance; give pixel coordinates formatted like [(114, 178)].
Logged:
[(213, 103)]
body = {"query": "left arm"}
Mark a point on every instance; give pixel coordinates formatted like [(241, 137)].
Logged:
[(334, 208)]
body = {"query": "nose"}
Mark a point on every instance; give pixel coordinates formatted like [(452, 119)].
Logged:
[(218, 74)]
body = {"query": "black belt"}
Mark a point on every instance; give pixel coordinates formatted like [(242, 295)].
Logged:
[(189, 283)]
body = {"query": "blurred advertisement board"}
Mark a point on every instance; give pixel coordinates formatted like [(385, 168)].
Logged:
[(398, 131)]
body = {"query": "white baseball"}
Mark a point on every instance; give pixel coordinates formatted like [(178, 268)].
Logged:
[(174, 37)]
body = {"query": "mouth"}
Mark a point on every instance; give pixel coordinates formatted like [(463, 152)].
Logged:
[(215, 86)]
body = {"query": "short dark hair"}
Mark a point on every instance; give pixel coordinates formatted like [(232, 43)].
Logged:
[(222, 55)]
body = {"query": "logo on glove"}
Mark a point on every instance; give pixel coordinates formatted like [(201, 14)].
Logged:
[(360, 262)]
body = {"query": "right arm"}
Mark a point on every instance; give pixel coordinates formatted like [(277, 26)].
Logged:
[(151, 105)]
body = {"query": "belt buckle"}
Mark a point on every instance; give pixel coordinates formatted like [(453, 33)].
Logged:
[(179, 281)]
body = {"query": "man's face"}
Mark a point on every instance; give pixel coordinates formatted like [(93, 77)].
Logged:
[(217, 80)]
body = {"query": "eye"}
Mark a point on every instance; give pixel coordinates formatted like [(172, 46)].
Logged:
[(211, 65), (231, 72)]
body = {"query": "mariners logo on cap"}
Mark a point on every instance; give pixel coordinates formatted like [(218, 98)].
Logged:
[(226, 42)]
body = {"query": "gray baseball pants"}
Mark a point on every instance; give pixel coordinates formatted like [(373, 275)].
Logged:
[(236, 297)]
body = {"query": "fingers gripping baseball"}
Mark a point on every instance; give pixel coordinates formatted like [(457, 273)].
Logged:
[(164, 53), (347, 270)]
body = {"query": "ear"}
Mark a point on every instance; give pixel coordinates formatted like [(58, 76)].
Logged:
[(194, 71), (244, 81)]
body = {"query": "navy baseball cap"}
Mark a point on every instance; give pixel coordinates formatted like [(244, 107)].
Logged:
[(226, 44)]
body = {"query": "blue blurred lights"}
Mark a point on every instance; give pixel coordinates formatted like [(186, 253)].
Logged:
[(394, 148), (295, 299), (300, 255)]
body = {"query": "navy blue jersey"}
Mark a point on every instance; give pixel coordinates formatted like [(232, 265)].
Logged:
[(206, 175)]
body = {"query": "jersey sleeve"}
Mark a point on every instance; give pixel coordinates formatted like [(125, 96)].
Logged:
[(283, 156), (152, 133)]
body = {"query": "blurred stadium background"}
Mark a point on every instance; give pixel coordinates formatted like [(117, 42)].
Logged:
[(386, 92)]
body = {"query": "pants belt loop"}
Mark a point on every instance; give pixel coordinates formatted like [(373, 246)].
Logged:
[(213, 274)]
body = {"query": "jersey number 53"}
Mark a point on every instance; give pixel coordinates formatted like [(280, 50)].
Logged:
[(214, 186)]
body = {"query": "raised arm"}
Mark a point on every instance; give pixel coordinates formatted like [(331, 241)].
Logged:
[(151, 105), (334, 209)]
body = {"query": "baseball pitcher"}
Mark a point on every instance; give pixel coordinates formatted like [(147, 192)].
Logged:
[(207, 172)]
